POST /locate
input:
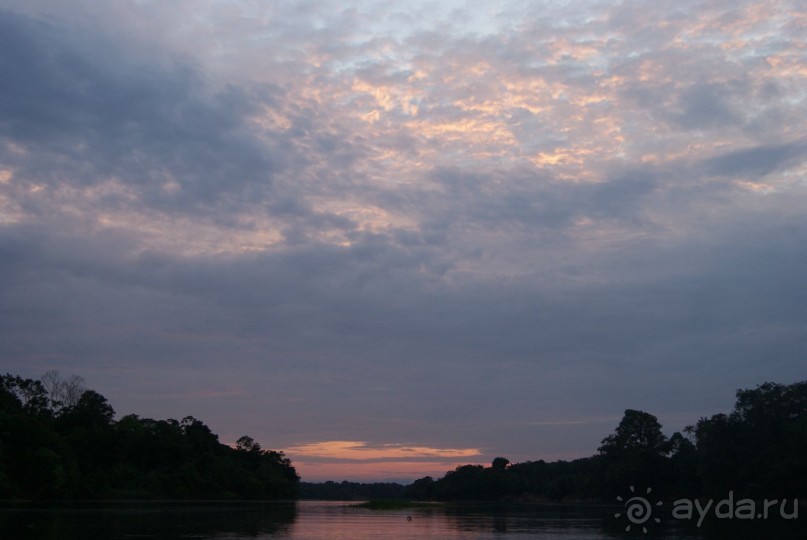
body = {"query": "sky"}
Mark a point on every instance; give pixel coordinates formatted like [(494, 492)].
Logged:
[(391, 238)]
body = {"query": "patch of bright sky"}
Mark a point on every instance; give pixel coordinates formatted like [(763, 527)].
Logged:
[(398, 22), (460, 17)]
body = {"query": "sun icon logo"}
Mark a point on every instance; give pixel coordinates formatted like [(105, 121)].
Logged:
[(638, 510)]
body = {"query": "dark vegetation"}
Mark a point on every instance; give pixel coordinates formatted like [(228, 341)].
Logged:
[(758, 451), (60, 440), (351, 491)]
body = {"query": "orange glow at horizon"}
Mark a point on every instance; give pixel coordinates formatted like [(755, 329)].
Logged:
[(358, 461), (358, 450)]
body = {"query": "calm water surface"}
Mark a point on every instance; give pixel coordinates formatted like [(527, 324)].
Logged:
[(315, 520)]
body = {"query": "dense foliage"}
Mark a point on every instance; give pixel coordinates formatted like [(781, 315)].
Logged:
[(759, 450), (351, 491), (57, 442), (60, 440)]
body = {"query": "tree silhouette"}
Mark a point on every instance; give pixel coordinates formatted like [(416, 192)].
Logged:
[(637, 431), (245, 443), (63, 392), (54, 446)]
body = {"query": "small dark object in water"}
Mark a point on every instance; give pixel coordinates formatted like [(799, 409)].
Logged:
[(408, 518)]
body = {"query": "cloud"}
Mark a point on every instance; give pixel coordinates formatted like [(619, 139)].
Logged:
[(367, 223), (606, 420), (358, 450), (367, 462), (758, 162)]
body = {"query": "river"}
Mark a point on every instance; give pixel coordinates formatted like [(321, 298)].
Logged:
[(320, 520)]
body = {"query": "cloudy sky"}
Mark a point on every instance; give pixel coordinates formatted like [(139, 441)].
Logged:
[(390, 238)]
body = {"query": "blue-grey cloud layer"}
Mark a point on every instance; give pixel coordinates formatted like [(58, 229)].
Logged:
[(467, 238)]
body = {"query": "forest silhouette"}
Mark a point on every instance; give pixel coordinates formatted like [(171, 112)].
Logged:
[(757, 451), (59, 443), (59, 440)]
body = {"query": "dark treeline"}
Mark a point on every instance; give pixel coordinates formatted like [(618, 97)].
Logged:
[(60, 440), (758, 451), (351, 491)]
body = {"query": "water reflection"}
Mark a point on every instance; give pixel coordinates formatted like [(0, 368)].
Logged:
[(316, 520), (477, 522), (125, 520)]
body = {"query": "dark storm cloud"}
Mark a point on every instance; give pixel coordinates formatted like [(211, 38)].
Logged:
[(91, 112), (534, 202), (758, 161), (707, 105)]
